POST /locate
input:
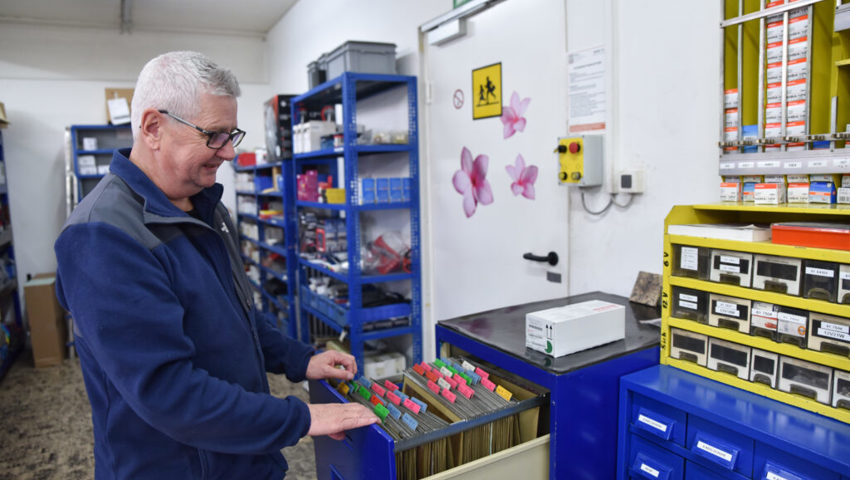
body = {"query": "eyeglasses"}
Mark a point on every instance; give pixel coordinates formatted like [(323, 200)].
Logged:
[(215, 140)]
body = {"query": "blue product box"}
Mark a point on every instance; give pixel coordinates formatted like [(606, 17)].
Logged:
[(396, 193), (822, 192), (367, 190), (382, 190), (748, 193), (750, 132), (405, 189)]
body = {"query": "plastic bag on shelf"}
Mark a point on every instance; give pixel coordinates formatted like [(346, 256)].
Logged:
[(386, 254)]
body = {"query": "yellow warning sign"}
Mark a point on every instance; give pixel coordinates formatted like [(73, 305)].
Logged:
[(487, 91)]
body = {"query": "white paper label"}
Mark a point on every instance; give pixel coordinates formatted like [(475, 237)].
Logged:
[(817, 163), (793, 165), (443, 383), (727, 166), (730, 260), (820, 272), (764, 315), (726, 308), (792, 324), (842, 163), (714, 451), (652, 423), (834, 330), (646, 468), (468, 366), (771, 164), (773, 476), (844, 275), (688, 305), (689, 260), (730, 268), (843, 195), (688, 298), (746, 164)]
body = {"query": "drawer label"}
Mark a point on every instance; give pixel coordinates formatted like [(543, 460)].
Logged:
[(726, 456), (646, 468), (688, 305), (820, 272), (652, 423), (726, 308), (690, 258), (773, 476)]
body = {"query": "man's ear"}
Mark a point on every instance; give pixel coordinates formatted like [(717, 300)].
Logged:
[(151, 128)]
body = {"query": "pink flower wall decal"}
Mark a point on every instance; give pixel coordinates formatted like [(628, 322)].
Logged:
[(523, 177), (512, 116), (471, 181)]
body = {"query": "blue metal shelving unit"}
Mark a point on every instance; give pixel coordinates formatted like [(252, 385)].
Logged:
[(108, 137), (272, 303), (9, 290), (360, 323)]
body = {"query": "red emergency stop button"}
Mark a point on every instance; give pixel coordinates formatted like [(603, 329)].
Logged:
[(575, 147)]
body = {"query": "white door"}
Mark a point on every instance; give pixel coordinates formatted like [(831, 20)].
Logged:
[(478, 236)]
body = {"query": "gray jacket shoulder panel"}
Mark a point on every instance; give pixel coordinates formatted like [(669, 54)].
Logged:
[(114, 203)]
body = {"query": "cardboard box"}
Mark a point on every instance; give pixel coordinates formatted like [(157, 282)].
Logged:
[(4, 122), (48, 329), (563, 330), (116, 93)]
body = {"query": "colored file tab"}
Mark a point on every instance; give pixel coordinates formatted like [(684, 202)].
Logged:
[(488, 384), (342, 388), (432, 375), (364, 381), (376, 400), (500, 390), (443, 383), (378, 389), (409, 421), (411, 405), (439, 363), (381, 411), (468, 366), (394, 412), (419, 369), (481, 372), (390, 386), (465, 391), (446, 371), (448, 395), (426, 366), (422, 405), (452, 382), (434, 387), (392, 397)]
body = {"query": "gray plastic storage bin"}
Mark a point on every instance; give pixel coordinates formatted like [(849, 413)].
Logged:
[(362, 57)]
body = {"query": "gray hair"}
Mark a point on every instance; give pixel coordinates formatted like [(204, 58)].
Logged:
[(174, 81)]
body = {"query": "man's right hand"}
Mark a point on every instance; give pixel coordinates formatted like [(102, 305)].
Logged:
[(333, 419)]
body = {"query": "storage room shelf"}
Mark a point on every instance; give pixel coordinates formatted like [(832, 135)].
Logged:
[(805, 208), (823, 358), (766, 248), (363, 207), (254, 168), (365, 84), (761, 389), (811, 304), (339, 315), (364, 279), (361, 149)]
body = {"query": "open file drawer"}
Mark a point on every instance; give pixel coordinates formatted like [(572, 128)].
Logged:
[(370, 452)]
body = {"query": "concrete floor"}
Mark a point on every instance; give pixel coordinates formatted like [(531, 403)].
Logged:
[(46, 431)]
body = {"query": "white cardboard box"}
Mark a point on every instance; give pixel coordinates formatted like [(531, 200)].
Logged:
[(563, 330)]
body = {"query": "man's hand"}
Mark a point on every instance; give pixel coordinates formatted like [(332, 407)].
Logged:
[(333, 419), (325, 365)]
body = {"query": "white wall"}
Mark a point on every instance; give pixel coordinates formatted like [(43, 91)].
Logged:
[(52, 77), (311, 28), (665, 106)]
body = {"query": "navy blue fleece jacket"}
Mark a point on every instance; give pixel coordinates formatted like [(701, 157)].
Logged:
[(174, 353)]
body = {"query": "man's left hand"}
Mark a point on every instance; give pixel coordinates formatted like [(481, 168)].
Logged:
[(326, 365)]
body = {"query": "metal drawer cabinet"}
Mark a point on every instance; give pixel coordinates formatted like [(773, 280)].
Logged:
[(729, 433)]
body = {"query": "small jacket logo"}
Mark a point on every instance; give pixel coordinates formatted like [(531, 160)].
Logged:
[(224, 228)]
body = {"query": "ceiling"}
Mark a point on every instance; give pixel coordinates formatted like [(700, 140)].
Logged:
[(235, 17)]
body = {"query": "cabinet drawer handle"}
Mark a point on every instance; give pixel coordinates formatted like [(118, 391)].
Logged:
[(654, 423), (715, 451)]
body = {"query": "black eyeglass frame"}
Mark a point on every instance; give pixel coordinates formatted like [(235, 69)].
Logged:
[(235, 136)]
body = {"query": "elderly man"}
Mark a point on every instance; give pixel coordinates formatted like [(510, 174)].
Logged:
[(173, 351)]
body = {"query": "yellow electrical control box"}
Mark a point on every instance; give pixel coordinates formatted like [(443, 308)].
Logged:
[(580, 160)]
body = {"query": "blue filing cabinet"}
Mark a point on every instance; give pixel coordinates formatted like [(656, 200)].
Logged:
[(583, 386), (676, 425)]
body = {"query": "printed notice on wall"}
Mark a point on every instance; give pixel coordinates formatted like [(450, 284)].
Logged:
[(586, 90)]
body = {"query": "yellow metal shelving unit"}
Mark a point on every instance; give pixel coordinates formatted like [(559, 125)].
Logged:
[(749, 213)]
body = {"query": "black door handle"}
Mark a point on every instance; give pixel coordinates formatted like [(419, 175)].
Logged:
[(552, 258)]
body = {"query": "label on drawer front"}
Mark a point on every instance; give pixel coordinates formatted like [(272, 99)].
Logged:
[(652, 423), (726, 456), (726, 308), (820, 272), (776, 476), (688, 298), (688, 305), (834, 330), (690, 258), (646, 468)]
